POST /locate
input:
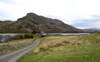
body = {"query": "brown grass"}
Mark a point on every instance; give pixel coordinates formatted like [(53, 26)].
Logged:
[(49, 42), (59, 43), (44, 46), (47, 45), (36, 51), (66, 41), (52, 44)]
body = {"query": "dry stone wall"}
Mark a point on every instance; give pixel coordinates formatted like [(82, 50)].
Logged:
[(10, 47)]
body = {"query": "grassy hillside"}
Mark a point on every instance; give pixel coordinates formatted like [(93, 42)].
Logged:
[(66, 49), (4, 27), (3, 23)]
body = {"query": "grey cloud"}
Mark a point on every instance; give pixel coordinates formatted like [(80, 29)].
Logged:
[(90, 20), (95, 16), (84, 24), (93, 22)]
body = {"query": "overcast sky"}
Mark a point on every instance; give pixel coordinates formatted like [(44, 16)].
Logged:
[(78, 13)]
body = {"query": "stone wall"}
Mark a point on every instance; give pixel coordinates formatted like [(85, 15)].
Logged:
[(10, 47)]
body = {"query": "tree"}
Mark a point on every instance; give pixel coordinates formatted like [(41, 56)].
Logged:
[(34, 32)]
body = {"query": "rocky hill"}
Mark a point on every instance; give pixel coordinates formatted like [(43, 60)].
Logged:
[(32, 22)]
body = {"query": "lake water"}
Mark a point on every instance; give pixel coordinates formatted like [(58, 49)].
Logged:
[(69, 33), (11, 34)]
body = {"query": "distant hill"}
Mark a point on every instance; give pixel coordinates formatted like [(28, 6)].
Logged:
[(32, 22), (92, 30), (6, 22)]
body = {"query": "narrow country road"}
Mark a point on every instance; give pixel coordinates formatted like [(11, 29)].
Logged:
[(13, 56)]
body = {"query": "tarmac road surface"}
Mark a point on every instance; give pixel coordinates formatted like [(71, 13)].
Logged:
[(13, 56)]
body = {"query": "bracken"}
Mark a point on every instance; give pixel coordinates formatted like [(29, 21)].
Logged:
[(44, 47), (36, 51)]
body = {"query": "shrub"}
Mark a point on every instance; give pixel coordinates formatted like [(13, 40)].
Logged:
[(24, 36), (27, 36), (35, 31), (16, 37)]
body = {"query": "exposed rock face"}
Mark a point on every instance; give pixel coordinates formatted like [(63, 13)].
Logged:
[(33, 21)]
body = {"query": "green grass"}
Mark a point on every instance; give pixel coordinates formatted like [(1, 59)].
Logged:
[(37, 36), (87, 51)]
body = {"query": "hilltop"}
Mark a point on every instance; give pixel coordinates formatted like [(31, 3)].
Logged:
[(32, 22)]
